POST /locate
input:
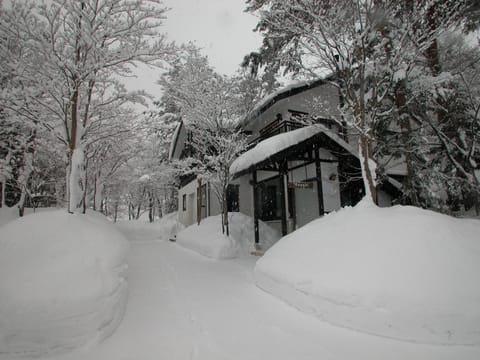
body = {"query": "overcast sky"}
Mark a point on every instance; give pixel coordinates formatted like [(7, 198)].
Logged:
[(220, 27)]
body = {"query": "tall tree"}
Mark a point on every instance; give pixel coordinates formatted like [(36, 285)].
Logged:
[(209, 107), (78, 47)]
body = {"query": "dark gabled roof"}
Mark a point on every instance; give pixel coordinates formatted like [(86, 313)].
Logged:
[(281, 94)]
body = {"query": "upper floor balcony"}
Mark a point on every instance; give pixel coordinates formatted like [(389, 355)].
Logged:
[(294, 121)]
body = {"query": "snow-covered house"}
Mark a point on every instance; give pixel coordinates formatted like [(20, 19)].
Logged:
[(291, 173), (196, 199)]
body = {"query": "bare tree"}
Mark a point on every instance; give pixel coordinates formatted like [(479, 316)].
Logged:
[(209, 107), (77, 48)]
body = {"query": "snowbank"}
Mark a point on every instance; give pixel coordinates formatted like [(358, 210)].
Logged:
[(164, 228), (170, 225), (208, 240), (398, 272), (8, 214), (62, 282)]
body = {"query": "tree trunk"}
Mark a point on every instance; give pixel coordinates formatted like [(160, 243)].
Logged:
[(160, 208), (74, 155), (365, 152), (368, 180), (84, 196), (151, 208), (95, 193), (130, 211), (138, 211), (3, 184), (199, 201), (115, 211), (76, 179), (225, 214), (104, 206)]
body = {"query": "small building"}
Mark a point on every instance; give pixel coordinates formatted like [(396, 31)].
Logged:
[(298, 167)]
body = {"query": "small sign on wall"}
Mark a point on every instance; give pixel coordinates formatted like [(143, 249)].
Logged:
[(300, 185)]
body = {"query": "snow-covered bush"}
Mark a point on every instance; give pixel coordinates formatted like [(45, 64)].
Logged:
[(208, 240), (399, 272), (62, 282)]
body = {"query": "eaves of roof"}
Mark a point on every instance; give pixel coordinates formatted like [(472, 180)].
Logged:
[(281, 94), (175, 140)]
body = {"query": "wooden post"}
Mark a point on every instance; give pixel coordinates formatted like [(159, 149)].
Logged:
[(318, 166), (199, 201), (283, 210), (255, 207)]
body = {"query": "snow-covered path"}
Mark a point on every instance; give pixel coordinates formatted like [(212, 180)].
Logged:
[(185, 306)]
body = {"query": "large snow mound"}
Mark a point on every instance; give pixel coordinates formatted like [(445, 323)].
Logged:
[(62, 282), (208, 240), (399, 272)]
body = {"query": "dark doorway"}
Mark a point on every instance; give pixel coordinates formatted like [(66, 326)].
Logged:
[(233, 198)]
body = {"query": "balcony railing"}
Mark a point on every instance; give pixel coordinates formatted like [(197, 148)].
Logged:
[(274, 128)]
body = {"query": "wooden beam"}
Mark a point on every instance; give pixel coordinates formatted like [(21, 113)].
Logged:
[(318, 166), (255, 207), (283, 209), (268, 167)]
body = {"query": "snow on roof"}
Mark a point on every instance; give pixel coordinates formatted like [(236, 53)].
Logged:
[(174, 141), (270, 99), (277, 143)]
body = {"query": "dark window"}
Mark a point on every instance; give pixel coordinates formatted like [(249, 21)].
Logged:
[(204, 201), (184, 202), (233, 198), (269, 198)]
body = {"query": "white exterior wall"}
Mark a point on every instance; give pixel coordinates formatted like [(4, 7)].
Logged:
[(331, 186), (214, 205), (245, 196), (189, 215)]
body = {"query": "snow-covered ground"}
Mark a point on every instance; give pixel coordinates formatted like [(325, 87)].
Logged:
[(186, 306), (62, 282), (399, 272), (207, 237)]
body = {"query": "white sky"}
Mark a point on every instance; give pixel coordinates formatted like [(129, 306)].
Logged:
[(220, 27)]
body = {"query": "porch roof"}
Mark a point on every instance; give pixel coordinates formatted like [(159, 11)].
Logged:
[(279, 146)]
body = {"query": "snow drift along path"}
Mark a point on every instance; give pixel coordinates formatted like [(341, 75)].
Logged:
[(399, 272), (185, 306), (62, 282)]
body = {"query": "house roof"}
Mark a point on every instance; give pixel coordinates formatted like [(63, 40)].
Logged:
[(173, 144), (280, 94), (277, 146)]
